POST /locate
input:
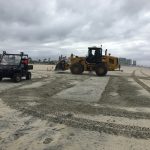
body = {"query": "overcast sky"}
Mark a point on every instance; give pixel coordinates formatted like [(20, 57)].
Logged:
[(53, 27)]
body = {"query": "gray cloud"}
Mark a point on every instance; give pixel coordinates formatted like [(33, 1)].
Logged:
[(43, 27)]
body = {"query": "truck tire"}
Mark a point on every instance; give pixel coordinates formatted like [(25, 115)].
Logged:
[(1, 78), (17, 77), (101, 70), (28, 76), (77, 68)]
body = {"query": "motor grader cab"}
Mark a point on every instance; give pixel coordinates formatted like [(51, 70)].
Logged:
[(93, 62), (94, 55)]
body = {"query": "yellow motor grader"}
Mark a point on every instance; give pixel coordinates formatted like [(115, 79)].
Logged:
[(95, 61)]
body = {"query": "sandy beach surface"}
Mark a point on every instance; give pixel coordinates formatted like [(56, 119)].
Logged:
[(61, 111)]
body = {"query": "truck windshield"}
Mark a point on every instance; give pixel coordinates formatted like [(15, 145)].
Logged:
[(10, 60)]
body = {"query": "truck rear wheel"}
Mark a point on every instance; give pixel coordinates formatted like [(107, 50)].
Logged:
[(101, 70), (28, 76), (17, 77), (77, 68), (1, 78)]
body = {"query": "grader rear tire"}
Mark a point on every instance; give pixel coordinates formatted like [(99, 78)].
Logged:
[(77, 68), (101, 70)]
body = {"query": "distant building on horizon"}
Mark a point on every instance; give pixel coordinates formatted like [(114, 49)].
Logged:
[(134, 62), (127, 62), (122, 61)]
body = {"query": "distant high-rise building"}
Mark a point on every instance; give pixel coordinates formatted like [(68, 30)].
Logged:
[(128, 62), (122, 61), (125, 61), (134, 63)]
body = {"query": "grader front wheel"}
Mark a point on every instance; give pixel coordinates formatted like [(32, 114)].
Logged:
[(101, 70)]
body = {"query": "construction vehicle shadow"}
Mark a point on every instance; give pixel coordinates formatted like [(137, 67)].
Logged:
[(90, 74), (85, 73)]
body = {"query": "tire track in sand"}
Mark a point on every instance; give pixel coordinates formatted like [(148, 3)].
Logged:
[(86, 124), (136, 79)]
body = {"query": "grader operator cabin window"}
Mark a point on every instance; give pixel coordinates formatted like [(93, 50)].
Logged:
[(94, 55)]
